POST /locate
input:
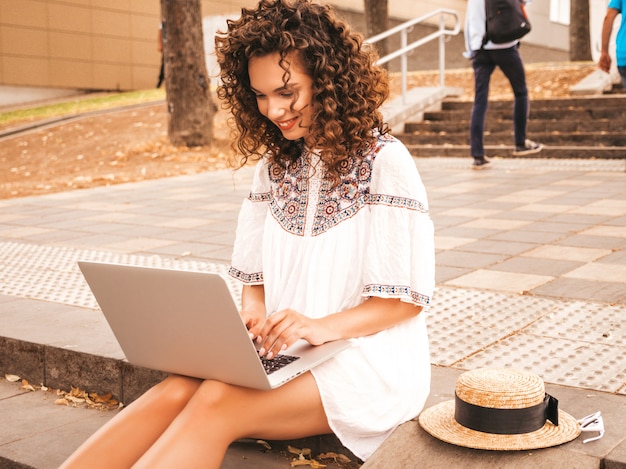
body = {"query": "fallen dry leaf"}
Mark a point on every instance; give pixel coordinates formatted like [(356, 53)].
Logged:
[(79, 397), (304, 458), (307, 462), (265, 444), (27, 386), (12, 378), (104, 399), (337, 457), (300, 452), (75, 400)]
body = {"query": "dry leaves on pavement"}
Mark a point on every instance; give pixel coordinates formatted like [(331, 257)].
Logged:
[(74, 398)]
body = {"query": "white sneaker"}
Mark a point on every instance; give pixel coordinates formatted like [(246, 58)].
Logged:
[(529, 148)]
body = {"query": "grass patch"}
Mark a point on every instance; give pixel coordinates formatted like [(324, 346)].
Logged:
[(78, 105)]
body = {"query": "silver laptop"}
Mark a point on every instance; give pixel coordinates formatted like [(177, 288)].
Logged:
[(188, 323)]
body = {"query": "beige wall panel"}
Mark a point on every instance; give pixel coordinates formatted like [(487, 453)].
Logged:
[(112, 50), (111, 23), (120, 5), (70, 46), (70, 74), (69, 18), (145, 78), (144, 27), (225, 7), (148, 7), (25, 71), (23, 13), (20, 41), (145, 54), (107, 77), (86, 3)]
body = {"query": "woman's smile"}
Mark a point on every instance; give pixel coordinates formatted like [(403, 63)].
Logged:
[(287, 124)]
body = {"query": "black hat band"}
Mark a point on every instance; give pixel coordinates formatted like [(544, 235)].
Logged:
[(506, 421)]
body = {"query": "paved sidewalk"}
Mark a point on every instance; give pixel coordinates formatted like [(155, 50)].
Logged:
[(531, 270)]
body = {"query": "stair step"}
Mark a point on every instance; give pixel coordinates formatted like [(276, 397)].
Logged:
[(589, 127), (505, 137), (506, 151), (614, 101), (498, 125), (536, 114)]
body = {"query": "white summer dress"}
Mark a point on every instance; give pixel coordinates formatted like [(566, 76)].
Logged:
[(319, 250)]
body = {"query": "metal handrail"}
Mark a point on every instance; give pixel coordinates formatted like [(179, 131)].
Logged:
[(405, 48)]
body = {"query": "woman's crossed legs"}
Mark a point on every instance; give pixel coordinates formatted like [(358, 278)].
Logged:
[(186, 422)]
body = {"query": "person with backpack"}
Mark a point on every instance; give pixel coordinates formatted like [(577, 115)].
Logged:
[(497, 49)]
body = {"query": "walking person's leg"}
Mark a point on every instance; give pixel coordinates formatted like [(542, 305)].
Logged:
[(483, 68), (161, 72), (510, 62), (622, 74)]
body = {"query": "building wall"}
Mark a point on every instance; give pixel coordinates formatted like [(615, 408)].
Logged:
[(111, 44), (72, 44), (84, 44)]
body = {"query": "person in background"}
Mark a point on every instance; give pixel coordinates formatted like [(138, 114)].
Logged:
[(485, 58), (615, 7), (333, 242), (160, 41)]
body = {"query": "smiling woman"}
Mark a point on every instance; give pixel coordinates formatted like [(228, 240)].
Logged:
[(333, 242), (347, 90), (284, 98)]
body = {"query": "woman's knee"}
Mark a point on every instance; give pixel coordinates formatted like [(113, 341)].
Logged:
[(213, 394), (177, 390)]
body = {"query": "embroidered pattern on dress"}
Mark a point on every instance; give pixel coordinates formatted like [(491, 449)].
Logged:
[(397, 291), (395, 201), (290, 193), (260, 197), (254, 278)]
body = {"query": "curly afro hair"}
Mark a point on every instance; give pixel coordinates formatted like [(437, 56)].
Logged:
[(348, 88)]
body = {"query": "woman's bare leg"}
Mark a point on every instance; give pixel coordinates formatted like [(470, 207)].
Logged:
[(128, 435), (219, 414)]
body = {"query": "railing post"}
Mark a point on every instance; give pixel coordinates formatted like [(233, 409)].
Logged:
[(405, 48), (404, 65), (442, 52)]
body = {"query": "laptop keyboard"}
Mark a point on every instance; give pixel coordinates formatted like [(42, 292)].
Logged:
[(273, 364)]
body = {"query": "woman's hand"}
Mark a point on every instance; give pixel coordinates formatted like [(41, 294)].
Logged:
[(253, 319), (253, 308), (283, 328)]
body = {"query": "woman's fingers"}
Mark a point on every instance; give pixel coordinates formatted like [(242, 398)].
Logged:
[(280, 331)]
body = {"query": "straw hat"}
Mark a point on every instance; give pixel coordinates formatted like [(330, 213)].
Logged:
[(501, 409)]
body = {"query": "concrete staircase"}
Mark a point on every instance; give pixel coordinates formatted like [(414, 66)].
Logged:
[(578, 127)]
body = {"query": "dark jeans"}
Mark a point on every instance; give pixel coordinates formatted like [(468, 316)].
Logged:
[(161, 73), (622, 74), (484, 63)]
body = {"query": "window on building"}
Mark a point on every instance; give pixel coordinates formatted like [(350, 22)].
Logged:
[(559, 11)]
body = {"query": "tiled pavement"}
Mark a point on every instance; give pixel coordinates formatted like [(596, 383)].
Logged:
[(531, 260), (526, 249)]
